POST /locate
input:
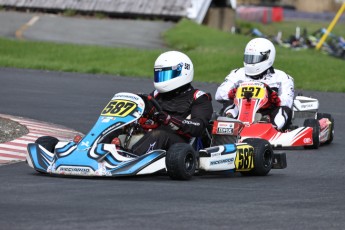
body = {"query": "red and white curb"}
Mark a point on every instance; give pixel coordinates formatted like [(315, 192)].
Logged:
[(16, 150)]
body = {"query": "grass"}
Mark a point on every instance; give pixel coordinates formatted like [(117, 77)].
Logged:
[(214, 54), (76, 58)]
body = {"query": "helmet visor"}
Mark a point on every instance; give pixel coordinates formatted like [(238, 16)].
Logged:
[(168, 73), (253, 59)]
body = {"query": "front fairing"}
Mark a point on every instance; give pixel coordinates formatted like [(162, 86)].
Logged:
[(250, 97), (91, 157)]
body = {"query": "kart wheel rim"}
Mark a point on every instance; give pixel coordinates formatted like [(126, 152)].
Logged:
[(267, 157), (189, 162)]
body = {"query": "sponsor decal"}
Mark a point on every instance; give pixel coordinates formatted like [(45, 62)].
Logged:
[(224, 161), (130, 96), (190, 123), (252, 83), (226, 125), (86, 144), (102, 170), (151, 148), (225, 128), (216, 154), (307, 140), (74, 170), (107, 119), (111, 128), (309, 105)]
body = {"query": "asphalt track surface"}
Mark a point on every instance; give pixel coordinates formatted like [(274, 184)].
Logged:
[(83, 30), (308, 194)]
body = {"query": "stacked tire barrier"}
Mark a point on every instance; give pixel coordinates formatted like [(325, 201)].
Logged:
[(260, 14)]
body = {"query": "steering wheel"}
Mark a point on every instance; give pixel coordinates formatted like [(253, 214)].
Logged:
[(143, 121), (148, 114), (268, 88), (148, 99)]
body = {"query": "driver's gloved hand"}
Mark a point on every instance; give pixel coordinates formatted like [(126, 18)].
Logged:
[(274, 98), (162, 117), (165, 119), (232, 93), (231, 111)]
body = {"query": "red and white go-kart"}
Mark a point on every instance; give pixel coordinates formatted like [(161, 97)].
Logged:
[(309, 128)]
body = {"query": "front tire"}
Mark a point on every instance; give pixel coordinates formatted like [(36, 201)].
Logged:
[(313, 123), (181, 160), (263, 157), (47, 142)]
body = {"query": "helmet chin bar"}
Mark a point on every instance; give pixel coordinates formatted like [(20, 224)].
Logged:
[(256, 77)]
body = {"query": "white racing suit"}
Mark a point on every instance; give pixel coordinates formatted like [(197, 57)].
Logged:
[(277, 80)]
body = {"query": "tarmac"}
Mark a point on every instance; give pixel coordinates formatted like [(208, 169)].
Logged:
[(142, 34)]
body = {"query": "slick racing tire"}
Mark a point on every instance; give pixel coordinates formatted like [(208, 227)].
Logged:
[(313, 123), (331, 119), (181, 160), (263, 157), (47, 142)]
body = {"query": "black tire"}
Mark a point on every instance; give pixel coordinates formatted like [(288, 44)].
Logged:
[(263, 157), (47, 142), (313, 123), (181, 160), (331, 119)]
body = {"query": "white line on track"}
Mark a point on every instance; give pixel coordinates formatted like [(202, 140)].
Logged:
[(20, 31), (33, 20)]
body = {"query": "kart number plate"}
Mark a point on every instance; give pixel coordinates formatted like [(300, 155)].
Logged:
[(119, 108), (245, 158), (257, 91)]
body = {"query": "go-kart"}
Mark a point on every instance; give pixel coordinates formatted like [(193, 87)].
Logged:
[(105, 150), (317, 128)]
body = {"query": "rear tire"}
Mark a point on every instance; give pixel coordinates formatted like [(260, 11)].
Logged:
[(313, 123), (331, 119), (181, 160), (263, 157), (47, 142)]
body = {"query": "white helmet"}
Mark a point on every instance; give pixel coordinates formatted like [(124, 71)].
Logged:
[(259, 56), (172, 70)]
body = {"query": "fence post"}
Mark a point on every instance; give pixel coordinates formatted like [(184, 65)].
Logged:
[(330, 27)]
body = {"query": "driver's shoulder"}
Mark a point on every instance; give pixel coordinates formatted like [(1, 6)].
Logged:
[(239, 72), (282, 74), (200, 94)]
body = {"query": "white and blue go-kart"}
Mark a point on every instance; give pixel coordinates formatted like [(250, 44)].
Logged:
[(96, 155)]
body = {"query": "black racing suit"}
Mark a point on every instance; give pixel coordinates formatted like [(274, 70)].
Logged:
[(190, 110)]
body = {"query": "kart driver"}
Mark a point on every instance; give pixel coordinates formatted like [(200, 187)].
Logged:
[(259, 55), (186, 111)]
